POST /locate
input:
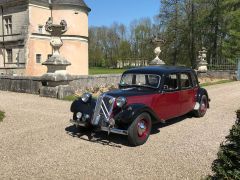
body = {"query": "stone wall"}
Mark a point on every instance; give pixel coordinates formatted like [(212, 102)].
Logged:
[(220, 74), (20, 84), (27, 84), (82, 83)]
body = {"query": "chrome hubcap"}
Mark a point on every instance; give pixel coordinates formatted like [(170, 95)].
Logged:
[(203, 107), (141, 128)]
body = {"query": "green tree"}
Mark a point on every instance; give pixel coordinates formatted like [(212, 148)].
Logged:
[(231, 41)]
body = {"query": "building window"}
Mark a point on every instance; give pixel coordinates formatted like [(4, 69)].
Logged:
[(8, 24), (49, 55), (9, 55), (38, 58), (40, 29)]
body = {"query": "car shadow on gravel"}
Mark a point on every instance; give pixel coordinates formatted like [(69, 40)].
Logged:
[(115, 140), (156, 127)]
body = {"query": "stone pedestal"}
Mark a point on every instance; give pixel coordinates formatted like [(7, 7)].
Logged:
[(56, 81), (58, 92)]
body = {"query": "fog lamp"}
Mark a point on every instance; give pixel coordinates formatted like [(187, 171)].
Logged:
[(79, 115), (85, 117)]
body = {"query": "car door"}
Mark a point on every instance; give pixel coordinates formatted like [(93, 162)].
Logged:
[(187, 93), (167, 102)]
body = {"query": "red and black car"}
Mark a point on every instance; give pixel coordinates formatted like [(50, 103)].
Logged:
[(145, 96)]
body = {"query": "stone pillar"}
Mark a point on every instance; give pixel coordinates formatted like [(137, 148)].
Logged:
[(56, 80), (201, 61), (157, 43)]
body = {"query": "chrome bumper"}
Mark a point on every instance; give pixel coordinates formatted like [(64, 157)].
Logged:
[(106, 129)]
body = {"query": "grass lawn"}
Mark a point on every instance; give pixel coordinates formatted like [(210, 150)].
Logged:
[(71, 98), (2, 115), (214, 83), (99, 70)]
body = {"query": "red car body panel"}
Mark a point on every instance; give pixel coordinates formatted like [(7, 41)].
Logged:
[(168, 105)]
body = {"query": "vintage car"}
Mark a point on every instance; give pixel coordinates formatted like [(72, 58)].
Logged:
[(145, 96)]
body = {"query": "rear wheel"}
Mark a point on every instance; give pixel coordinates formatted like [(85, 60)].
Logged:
[(202, 107), (140, 129)]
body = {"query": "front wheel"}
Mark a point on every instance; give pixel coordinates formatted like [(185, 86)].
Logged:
[(203, 107), (140, 129)]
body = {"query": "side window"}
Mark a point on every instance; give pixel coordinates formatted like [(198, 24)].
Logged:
[(127, 79), (171, 82), (185, 81), (141, 79)]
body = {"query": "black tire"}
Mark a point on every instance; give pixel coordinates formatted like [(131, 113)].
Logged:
[(202, 108), (139, 135)]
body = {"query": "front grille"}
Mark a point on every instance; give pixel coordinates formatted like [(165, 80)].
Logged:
[(103, 109)]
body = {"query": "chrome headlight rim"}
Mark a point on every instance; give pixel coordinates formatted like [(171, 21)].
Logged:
[(121, 101), (86, 97)]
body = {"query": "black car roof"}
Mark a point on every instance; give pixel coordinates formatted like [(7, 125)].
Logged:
[(159, 70)]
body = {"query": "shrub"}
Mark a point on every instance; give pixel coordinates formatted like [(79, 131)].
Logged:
[(227, 164), (2, 115)]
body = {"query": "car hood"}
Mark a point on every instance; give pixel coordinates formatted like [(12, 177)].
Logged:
[(131, 92)]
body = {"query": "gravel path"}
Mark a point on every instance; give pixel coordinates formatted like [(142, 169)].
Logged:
[(38, 142)]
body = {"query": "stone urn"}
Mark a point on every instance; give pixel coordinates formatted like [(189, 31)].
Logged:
[(56, 80), (157, 51)]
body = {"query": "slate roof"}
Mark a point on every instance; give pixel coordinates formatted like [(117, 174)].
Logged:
[(79, 3)]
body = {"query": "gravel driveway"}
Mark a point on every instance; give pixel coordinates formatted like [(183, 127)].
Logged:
[(38, 142)]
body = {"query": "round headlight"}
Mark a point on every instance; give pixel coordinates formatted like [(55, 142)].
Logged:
[(86, 97), (121, 101)]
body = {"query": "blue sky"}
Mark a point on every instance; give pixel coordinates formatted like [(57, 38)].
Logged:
[(105, 12)]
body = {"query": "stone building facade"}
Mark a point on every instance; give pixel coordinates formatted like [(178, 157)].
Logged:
[(24, 43)]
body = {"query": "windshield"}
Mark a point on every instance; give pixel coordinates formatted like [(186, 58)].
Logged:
[(145, 80)]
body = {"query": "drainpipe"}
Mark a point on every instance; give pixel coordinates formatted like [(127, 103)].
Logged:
[(50, 6), (51, 9), (3, 35)]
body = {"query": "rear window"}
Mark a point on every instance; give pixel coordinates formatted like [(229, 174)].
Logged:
[(185, 81)]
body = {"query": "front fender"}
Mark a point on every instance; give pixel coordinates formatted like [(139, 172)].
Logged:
[(128, 114), (80, 106)]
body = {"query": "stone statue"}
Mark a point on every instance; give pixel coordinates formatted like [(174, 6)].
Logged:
[(201, 61)]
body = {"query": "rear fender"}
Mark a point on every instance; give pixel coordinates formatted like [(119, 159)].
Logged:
[(200, 93)]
